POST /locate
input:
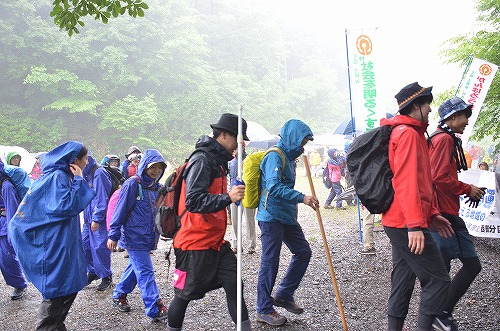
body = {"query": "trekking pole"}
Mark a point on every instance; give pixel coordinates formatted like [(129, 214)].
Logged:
[(239, 287), (325, 244)]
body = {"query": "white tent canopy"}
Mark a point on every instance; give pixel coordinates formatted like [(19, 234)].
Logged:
[(27, 160)]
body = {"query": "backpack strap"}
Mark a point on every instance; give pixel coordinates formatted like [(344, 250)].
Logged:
[(283, 164), (435, 133), (139, 192)]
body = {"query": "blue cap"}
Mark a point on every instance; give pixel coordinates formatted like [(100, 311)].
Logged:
[(452, 106)]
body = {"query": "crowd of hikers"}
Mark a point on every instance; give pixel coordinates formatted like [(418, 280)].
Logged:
[(43, 239)]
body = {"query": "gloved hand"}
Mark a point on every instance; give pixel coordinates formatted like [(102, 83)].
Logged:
[(236, 182), (473, 203)]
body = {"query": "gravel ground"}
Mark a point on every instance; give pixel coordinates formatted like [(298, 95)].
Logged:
[(363, 284)]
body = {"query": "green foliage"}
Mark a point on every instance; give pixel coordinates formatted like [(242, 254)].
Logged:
[(68, 13), (482, 44), (160, 81)]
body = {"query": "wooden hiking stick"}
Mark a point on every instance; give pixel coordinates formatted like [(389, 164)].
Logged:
[(325, 244)]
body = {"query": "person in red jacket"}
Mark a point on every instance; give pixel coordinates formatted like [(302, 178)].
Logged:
[(204, 261), (447, 157), (406, 223)]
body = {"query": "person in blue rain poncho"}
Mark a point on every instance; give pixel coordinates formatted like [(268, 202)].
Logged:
[(94, 230), (135, 213), (277, 216), (9, 264), (45, 232)]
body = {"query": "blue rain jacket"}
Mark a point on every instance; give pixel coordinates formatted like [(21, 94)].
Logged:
[(100, 182), (279, 200), (136, 216), (45, 232)]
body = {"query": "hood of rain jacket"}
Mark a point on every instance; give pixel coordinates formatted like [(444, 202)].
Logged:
[(279, 200), (135, 215), (45, 231)]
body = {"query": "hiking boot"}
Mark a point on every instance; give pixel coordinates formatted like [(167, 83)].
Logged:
[(105, 283), (18, 293), (341, 208), (91, 278), (444, 322), (122, 303), (273, 318), (162, 313), (328, 207), (368, 251), (291, 306)]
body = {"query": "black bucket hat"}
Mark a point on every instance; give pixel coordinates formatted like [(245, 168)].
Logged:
[(229, 122), (411, 92)]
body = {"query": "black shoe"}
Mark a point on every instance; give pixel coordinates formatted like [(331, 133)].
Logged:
[(162, 313), (341, 208), (444, 322), (122, 303), (105, 283), (91, 278), (18, 293), (291, 306)]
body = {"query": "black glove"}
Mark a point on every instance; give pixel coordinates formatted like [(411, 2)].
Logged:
[(474, 203)]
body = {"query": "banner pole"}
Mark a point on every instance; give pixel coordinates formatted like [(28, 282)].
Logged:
[(469, 61), (353, 125), (325, 245), (239, 287)]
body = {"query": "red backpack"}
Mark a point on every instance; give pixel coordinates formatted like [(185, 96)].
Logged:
[(168, 219)]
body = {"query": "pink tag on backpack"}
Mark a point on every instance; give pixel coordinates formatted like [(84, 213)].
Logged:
[(179, 279)]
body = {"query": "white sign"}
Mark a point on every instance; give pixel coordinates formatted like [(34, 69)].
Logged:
[(484, 220), (474, 88)]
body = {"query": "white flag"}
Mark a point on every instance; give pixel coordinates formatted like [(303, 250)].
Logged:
[(363, 69), (474, 88)]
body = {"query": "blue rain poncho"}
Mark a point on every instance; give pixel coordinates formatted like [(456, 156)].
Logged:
[(45, 232)]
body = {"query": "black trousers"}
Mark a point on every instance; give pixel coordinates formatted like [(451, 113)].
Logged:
[(428, 267), (52, 313)]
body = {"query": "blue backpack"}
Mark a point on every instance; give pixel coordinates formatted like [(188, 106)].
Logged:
[(326, 177)]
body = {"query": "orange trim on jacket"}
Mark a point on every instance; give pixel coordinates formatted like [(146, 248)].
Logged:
[(444, 174), (413, 203), (202, 231)]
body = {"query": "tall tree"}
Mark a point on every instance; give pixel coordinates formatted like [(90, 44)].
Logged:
[(483, 44)]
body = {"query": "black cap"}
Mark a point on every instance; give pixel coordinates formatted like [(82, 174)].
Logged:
[(229, 122)]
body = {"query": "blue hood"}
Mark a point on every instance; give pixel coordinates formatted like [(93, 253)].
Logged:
[(292, 134), (150, 156), (61, 157)]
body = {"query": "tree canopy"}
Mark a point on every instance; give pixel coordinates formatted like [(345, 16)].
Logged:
[(483, 44), (69, 14), (158, 81)]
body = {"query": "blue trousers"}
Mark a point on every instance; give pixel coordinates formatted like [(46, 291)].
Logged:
[(9, 264), (336, 190), (140, 272), (273, 234), (97, 253)]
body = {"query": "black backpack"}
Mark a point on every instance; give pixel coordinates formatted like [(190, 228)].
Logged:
[(368, 165), (115, 174)]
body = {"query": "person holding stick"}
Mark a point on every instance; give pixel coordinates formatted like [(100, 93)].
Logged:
[(204, 261), (277, 216)]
